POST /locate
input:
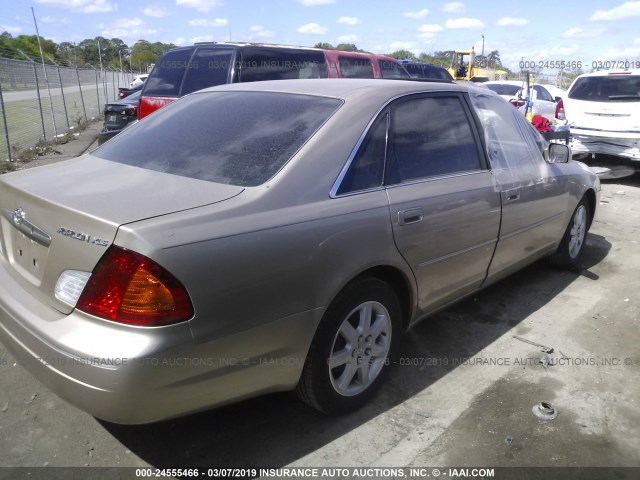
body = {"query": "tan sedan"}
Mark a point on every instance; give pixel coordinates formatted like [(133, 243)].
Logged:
[(273, 236)]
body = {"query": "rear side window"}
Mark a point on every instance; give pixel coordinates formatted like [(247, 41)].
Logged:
[(257, 64), (352, 67), (208, 67), (542, 94), (367, 169), (167, 75), (391, 69), (430, 136), (235, 138), (605, 89)]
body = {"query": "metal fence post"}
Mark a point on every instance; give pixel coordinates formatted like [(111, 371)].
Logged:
[(4, 122), (64, 102), (97, 91), (81, 95), (44, 130)]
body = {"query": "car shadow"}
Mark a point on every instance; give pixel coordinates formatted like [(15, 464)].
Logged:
[(275, 430)]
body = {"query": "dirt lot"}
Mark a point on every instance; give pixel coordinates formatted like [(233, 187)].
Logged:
[(462, 394)]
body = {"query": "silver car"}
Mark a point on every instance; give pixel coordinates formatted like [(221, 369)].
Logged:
[(274, 236)]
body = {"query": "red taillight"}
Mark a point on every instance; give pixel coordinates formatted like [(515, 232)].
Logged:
[(517, 103), (130, 112), (148, 105), (560, 115), (127, 287)]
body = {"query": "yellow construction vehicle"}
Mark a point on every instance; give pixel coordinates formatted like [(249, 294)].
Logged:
[(463, 67)]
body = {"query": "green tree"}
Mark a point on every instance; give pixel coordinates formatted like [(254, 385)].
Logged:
[(347, 47), (402, 55)]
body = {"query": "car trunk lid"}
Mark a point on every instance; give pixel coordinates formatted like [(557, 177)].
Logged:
[(52, 220)]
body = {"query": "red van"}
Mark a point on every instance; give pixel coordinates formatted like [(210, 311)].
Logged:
[(184, 70)]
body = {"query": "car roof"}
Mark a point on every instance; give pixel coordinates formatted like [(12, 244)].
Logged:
[(505, 82), (606, 73), (341, 87)]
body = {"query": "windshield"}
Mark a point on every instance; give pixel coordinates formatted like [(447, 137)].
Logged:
[(235, 138), (605, 89)]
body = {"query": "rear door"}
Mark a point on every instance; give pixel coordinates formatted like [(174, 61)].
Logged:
[(444, 209)]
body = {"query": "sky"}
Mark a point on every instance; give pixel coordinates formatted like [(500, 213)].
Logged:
[(540, 31)]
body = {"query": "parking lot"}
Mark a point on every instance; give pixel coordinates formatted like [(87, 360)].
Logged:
[(461, 393)]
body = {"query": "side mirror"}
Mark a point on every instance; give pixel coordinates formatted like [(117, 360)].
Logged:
[(558, 99), (559, 153)]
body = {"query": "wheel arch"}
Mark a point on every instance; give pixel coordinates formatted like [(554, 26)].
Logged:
[(590, 194), (400, 284)]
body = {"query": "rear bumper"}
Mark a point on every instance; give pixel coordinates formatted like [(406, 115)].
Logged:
[(134, 375), (608, 143), (105, 135)]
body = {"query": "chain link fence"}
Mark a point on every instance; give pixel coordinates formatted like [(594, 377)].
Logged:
[(45, 102)]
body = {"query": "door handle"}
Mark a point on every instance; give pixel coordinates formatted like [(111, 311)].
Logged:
[(512, 195), (412, 215)]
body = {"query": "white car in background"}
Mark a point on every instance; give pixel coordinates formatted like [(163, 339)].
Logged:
[(603, 109), (515, 91), (138, 80)]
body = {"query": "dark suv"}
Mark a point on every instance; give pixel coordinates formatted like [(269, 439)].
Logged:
[(426, 70), (184, 70)]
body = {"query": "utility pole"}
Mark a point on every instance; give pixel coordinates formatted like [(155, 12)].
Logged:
[(482, 46)]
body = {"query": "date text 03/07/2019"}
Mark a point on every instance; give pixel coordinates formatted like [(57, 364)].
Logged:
[(574, 64)]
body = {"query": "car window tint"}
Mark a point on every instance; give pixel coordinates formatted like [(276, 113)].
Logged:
[(352, 67), (542, 94), (430, 136), (604, 89), (236, 138), (208, 67), (508, 149), (415, 70), (367, 168), (258, 64), (167, 75), (503, 88), (391, 69)]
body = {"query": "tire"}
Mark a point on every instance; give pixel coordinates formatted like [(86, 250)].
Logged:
[(351, 352), (571, 246)]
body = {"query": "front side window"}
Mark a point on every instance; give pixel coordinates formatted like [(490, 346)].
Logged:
[(508, 146), (234, 138), (430, 136), (354, 67)]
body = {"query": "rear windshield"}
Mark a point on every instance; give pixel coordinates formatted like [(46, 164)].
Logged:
[(503, 89), (258, 64), (235, 138), (605, 89), (181, 71)]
